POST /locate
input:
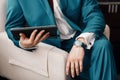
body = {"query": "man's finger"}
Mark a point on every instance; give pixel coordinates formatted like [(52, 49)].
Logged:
[(22, 36), (32, 36), (38, 37), (77, 67), (81, 65), (44, 37), (67, 67), (72, 69)]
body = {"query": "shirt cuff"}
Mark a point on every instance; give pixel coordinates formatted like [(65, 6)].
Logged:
[(89, 39), (30, 48)]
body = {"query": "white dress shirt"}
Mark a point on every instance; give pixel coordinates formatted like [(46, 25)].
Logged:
[(66, 32)]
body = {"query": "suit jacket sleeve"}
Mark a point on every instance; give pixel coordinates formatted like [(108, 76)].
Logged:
[(92, 17), (15, 18)]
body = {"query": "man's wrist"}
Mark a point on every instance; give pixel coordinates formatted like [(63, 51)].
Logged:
[(28, 48), (79, 43)]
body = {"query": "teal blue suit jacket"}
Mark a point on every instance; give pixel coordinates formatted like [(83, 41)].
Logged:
[(82, 15)]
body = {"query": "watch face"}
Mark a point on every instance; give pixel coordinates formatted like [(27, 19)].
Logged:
[(78, 43)]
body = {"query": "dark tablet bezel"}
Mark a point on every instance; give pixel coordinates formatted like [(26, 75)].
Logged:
[(28, 30)]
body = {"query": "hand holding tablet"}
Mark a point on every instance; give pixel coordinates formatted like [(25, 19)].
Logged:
[(31, 36)]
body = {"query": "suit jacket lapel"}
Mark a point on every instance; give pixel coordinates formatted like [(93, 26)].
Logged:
[(47, 9)]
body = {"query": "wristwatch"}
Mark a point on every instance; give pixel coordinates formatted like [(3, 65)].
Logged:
[(79, 44)]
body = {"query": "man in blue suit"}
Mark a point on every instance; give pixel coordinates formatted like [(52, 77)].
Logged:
[(80, 26)]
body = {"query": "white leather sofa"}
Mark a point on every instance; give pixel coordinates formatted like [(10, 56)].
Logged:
[(46, 63)]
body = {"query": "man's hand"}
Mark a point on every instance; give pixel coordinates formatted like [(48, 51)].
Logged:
[(75, 60), (33, 40)]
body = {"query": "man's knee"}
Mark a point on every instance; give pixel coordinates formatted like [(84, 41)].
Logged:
[(101, 48), (102, 43)]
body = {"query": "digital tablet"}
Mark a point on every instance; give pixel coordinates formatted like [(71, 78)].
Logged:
[(28, 30)]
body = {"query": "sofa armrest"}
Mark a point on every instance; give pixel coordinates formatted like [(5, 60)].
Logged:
[(12, 61), (107, 32)]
